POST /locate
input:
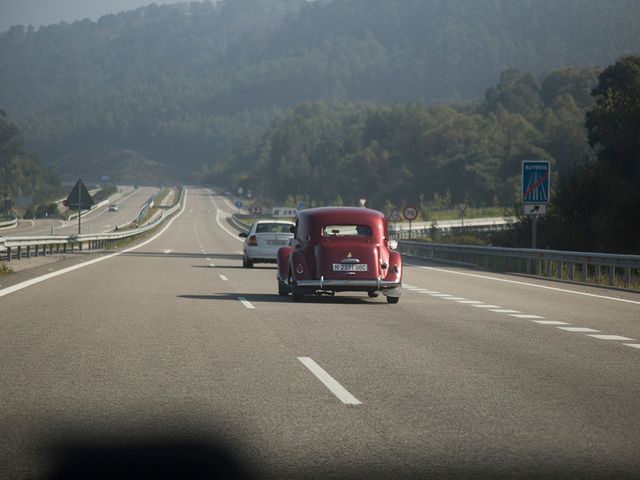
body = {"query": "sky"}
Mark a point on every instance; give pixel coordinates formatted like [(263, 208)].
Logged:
[(45, 12)]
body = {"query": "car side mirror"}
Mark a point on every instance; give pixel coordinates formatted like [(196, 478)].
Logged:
[(243, 234)]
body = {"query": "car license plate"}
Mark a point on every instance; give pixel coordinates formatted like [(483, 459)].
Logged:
[(349, 267), (276, 242)]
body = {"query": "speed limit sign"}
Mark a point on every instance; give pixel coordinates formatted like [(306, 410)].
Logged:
[(410, 212)]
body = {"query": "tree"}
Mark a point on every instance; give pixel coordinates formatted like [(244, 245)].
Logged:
[(614, 122)]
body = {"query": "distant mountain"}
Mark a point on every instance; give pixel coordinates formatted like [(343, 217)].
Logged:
[(186, 84)]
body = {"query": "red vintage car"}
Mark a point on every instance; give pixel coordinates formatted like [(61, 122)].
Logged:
[(338, 249)]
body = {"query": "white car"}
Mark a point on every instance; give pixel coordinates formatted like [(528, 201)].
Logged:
[(263, 240), (113, 208)]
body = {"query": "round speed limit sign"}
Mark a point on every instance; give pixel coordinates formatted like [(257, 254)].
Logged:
[(410, 213)]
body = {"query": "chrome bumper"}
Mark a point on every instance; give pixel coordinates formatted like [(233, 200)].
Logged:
[(322, 283)]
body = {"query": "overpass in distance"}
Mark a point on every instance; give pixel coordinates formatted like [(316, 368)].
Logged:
[(473, 374)]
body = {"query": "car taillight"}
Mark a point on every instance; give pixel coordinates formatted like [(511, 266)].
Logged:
[(252, 241)]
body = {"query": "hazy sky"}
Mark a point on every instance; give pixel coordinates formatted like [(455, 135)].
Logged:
[(44, 12)]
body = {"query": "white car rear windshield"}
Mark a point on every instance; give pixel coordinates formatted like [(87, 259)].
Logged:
[(273, 228)]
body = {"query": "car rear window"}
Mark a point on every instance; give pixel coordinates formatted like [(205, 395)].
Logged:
[(273, 228), (347, 231)]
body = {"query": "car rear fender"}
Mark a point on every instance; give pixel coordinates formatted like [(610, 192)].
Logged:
[(394, 272), (299, 268), (283, 263)]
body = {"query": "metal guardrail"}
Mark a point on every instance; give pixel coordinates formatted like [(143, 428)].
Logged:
[(12, 247), (584, 267), (8, 223)]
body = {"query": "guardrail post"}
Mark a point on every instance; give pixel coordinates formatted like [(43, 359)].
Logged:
[(28, 251), (627, 277), (37, 251), (598, 273), (9, 254), (572, 269), (547, 268), (585, 271), (612, 275)]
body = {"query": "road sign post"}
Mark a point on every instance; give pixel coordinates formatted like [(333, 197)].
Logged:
[(80, 199), (535, 192), (410, 213)]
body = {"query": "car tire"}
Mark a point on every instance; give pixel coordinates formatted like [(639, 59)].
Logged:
[(296, 295), (247, 263), (283, 288), (393, 300)]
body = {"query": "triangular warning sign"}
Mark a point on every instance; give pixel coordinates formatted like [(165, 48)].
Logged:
[(395, 215), (79, 197)]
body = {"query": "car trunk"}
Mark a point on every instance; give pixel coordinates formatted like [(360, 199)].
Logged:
[(344, 260), (272, 240)]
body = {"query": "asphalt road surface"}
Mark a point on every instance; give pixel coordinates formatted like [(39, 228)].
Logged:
[(171, 354), (99, 220)]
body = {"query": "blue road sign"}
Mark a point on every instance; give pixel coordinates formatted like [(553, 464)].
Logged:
[(535, 182), (239, 204)]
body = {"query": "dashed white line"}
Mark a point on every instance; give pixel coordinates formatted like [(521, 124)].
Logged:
[(246, 303), (634, 345), (470, 302), (331, 383), (442, 295), (212, 265), (550, 322), (611, 337), (503, 310), (525, 315), (222, 277), (579, 329), (504, 280), (484, 305), (454, 298)]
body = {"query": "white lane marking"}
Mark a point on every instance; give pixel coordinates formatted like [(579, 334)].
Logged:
[(550, 322), (222, 277), (611, 337), (475, 303), (246, 303), (166, 252), (525, 315), (432, 292), (504, 280), (208, 259), (503, 310), (331, 383), (422, 290), (579, 329), (634, 345), (454, 298), (234, 235), (486, 306), (212, 265), (440, 295), (63, 271)]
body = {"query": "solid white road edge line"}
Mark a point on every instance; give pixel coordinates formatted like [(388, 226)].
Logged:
[(504, 280), (246, 303), (338, 390), (48, 276), (234, 235)]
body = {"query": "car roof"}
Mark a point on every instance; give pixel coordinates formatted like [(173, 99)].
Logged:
[(338, 214)]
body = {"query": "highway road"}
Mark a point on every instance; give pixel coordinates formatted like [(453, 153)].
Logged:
[(170, 352), (99, 220)]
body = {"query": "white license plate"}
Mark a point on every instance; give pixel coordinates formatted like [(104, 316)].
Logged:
[(276, 242), (349, 267)]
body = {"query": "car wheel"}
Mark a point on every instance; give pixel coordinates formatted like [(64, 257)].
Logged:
[(283, 288), (296, 295), (393, 299), (246, 263), (372, 294)]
